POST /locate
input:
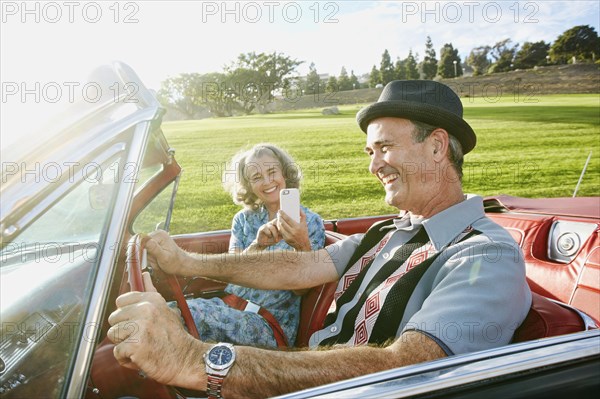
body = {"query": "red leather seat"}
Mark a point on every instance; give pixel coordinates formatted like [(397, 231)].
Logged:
[(316, 303), (547, 318)]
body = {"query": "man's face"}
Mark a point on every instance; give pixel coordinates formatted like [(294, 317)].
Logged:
[(405, 168)]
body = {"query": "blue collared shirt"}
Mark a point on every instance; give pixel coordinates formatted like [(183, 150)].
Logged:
[(472, 297)]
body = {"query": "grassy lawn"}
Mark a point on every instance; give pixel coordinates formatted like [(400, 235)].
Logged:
[(527, 146)]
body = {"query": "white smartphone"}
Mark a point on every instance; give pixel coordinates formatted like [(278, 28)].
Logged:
[(289, 201)]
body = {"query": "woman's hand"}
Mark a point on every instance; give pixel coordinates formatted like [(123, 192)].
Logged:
[(295, 234), (268, 234)]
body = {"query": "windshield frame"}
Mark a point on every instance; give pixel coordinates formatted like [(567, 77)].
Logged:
[(105, 268)]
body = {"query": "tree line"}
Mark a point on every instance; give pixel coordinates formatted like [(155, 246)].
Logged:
[(251, 82), (578, 44)]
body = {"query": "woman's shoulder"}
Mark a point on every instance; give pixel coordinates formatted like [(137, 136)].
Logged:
[(248, 215), (310, 214)]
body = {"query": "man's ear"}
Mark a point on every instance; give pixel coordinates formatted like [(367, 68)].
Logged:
[(439, 144)]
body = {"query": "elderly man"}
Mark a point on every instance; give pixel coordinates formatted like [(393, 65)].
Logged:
[(441, 279)]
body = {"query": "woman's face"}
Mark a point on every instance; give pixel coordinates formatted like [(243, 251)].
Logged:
[(266, 179)]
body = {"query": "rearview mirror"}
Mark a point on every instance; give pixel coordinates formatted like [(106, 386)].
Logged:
[(99, 196)]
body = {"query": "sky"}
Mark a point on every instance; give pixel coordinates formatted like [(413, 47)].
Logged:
[(50, 43)]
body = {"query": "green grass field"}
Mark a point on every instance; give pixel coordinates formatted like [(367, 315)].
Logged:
[(530, 147)]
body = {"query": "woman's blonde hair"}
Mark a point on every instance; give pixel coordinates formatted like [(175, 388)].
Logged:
[(238, 184)]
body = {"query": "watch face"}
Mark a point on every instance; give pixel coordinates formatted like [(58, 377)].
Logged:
[(220, 356)]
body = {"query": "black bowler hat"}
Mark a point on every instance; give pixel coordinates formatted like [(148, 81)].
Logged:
[(424, 101)]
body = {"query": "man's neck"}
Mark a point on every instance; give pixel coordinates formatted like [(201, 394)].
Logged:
[(440, 202)]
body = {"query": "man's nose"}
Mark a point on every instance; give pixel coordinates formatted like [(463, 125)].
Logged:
[(376, 163)]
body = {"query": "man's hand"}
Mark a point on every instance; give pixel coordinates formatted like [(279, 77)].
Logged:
[(295, 234), (148, 335), (164, 253)]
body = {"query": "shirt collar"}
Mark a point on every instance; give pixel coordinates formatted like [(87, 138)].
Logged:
[(262, 214), (443, 227), (407, 222)]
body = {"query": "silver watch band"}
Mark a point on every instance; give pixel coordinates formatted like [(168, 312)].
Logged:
[(214, 385)]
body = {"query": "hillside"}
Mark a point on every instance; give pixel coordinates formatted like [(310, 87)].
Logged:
[(557, 79)]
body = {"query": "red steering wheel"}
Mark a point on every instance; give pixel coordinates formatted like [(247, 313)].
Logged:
[(136, 262)]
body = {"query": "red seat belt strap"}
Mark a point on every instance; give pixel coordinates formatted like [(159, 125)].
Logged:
[(235, 302)]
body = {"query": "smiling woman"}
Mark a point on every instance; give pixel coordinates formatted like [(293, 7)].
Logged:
[(256, 178)]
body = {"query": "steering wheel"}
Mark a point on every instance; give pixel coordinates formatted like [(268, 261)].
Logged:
[(136, 262)]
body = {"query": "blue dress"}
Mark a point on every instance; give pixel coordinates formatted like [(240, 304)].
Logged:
[(218, 322)]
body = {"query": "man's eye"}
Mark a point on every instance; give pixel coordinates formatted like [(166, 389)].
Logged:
[(385, 148)]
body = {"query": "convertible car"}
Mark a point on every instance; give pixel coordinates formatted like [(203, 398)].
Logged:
[(71, 212)]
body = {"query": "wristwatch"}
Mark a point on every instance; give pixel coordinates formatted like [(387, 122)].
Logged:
[(218, 360)]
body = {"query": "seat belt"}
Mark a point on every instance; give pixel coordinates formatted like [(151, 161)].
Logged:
[(235, 302)]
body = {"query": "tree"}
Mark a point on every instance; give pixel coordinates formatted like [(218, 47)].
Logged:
[(374, 77), (242, 86), (503, 55), (271, 72), (412, 72), (447, 67), (189, 92), (580, 42), (400, 69), (313, 80), (343, 81), (247, 84), (531, 54), (430, 63), (386, 68), (273, 68), (354, 83), (332, 85), (216, 94), (173, 93), (479, 61)]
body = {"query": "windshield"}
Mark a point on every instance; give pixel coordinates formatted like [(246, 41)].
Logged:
[(46, 275), (47, 271), (78, 217)]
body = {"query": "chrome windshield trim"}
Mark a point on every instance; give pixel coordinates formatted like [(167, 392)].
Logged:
[(104, 276), (458, 370)]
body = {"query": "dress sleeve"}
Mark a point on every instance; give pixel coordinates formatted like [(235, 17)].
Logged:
[(237, 232), (316, 230)]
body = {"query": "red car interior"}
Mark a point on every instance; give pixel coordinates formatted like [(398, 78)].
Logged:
[(575, 283), (557, 287)]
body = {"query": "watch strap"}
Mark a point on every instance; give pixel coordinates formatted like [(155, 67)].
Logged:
[(214, 385)]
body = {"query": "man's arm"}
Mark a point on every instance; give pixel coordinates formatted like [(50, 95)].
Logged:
[(149, 336), (268, 270), (263, 373)]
